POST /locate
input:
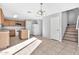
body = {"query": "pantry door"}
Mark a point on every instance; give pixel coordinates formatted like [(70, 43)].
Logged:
[(55, 27)]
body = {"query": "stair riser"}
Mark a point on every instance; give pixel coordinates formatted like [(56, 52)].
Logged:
[(73, 36), (71, 33), (71, 40)]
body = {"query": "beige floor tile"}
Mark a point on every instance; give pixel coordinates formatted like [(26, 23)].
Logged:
[(46, 51), (77, 51), (69, 42), (67, 51)]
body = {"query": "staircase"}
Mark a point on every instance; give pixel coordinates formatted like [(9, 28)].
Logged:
[(71, 33)]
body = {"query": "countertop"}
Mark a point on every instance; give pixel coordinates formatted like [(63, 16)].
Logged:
[(4, 30)]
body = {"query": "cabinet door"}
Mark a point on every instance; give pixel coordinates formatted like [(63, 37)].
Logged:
[(55, 27), (12, 32), (1, 16)]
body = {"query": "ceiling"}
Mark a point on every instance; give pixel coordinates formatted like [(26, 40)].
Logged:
[(29, 10)]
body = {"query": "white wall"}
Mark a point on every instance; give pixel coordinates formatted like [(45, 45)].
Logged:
[(64, 23), (46, 27), (72, 16), (40, 26)]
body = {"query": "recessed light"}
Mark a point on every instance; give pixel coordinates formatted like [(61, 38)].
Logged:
[(15, 16), (29, 12)]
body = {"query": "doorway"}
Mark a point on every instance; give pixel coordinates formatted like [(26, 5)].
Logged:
[(71, 34)]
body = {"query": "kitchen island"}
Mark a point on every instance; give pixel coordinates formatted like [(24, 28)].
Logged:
[(4, 38)]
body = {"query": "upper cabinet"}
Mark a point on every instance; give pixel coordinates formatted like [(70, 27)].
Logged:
[(1, 17), (9, 22)]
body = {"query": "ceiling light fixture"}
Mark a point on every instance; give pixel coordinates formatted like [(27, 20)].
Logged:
[(41, 11)]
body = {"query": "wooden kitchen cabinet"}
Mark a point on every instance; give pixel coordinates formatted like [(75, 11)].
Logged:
[(1, 17), (12, 33), (9, 22), (23, 34), (4, 39)]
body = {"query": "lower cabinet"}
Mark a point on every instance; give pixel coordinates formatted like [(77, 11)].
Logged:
[(23, 34), (4, 39), (12, 33)]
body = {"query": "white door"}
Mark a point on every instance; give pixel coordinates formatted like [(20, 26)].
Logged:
[(55, 28)]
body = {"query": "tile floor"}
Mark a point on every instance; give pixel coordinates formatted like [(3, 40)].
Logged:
[(53, 47)]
